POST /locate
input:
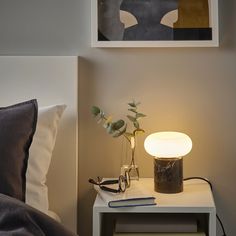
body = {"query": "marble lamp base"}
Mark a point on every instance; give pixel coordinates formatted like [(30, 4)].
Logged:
[(168, 175)]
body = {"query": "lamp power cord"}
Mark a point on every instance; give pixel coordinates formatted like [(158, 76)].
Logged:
[(217, 216)]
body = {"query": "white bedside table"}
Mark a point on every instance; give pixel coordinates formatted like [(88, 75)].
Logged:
[(196, 198)]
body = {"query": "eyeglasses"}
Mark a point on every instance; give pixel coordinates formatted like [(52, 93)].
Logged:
[(123, 183)]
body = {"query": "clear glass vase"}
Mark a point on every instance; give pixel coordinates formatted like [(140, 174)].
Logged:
[(131, 166)]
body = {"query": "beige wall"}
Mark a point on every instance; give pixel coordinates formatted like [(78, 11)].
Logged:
[(192, 90), (189, 92)]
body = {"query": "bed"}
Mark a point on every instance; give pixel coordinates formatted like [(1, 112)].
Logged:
[(53, 82)]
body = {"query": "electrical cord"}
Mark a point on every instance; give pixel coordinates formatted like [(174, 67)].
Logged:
[(206, 180)]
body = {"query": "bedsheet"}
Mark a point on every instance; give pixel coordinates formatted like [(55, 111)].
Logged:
[(19, 219)]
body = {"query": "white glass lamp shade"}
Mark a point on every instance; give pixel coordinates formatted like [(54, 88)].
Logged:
[(168, 144)]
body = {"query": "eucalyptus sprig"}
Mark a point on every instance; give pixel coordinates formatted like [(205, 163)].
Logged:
[(119, 127)]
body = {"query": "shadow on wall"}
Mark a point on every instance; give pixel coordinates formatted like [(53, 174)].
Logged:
[(86, 165)]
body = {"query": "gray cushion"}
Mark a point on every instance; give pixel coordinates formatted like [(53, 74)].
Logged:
[(17, 127)]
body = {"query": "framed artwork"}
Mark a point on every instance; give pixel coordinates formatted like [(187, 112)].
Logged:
[(154, 23)]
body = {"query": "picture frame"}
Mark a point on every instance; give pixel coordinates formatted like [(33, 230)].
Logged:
[(154, 23)]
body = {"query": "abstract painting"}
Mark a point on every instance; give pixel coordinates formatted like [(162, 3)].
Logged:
[(145, 21)]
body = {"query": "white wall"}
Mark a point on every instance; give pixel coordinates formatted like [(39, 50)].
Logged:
[(45, 27), (51, 80)]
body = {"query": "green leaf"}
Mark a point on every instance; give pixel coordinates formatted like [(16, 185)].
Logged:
[(136, 124), (118, 133), (118, 124), (110, 129), (139, 115), (131, 118), (133, 110), (95, 110), (132, 104), (123, 130)]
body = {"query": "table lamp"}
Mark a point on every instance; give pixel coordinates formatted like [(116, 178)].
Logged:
[(168, 148)]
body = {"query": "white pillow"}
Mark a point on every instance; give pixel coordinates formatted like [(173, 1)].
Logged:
[(40, 154)]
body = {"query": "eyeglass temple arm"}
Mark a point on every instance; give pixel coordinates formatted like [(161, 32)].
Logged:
[(106, 182), (111, 181), (109, 189)]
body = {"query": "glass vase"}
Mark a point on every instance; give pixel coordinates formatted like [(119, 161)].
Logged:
[(132, 166)]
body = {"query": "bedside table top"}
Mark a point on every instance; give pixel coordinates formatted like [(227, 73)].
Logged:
[(196, 197)]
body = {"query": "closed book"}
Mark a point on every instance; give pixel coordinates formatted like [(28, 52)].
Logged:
[(160, 234), (162, 222), (135, 195)]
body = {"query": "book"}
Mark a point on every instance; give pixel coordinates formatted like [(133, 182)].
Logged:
[(160, 234), (148, 223), (135, 195)]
